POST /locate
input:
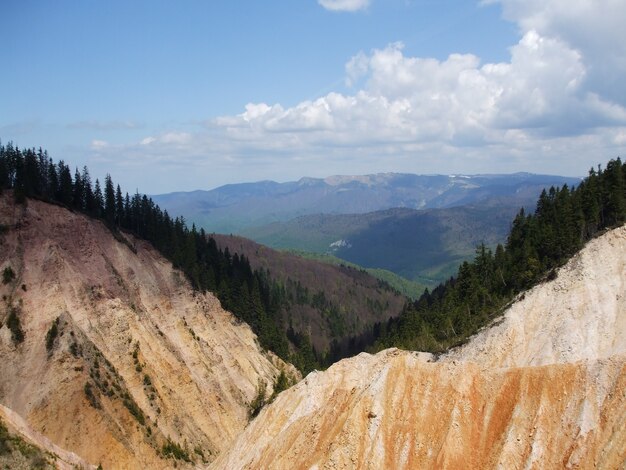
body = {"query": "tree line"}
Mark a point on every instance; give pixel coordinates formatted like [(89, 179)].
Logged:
[(564, 219), (250, 295)]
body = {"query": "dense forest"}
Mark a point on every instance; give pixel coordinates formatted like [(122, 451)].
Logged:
[(565, 218), (538, 243)]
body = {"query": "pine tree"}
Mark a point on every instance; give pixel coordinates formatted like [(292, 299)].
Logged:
[(98, 202), (109, 200)]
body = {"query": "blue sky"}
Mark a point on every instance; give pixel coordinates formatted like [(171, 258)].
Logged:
[(189, 95)]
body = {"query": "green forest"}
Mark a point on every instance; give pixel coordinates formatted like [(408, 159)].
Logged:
[(538, 243)]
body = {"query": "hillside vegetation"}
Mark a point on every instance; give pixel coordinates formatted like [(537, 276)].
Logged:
[(426, 246), (539, 242), (265, 303), (329, 303), (410, 289)]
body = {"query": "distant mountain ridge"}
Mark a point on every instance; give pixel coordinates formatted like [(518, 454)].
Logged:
[(234, 207)]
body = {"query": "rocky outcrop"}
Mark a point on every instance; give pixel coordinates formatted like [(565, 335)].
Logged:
[(121, 362), (544, 387)]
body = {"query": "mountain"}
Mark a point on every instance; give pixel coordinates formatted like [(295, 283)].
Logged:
[(422, 245), (234, 207), (109, 353), (326, 302), (543, 387), (410, 289)]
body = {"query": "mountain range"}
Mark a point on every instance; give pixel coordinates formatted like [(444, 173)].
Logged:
[(235, 207)]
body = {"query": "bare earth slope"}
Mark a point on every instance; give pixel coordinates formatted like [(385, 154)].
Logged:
[(545, 388), (138, 357), (54, 455)]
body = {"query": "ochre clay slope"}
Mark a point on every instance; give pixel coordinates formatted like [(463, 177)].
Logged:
[(543, 388), (138, 358), (32, 449)]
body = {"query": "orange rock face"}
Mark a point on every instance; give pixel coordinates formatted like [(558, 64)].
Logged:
[(543, 388), (138, 357)]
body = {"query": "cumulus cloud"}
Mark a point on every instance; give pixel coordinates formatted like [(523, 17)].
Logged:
[(557, 102), (411, 99), (593, 27), (344, 5)]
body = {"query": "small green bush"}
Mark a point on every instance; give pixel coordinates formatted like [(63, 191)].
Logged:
[(282, 382), (13, 323), (171, 449), (52, 334), (259, 400), (8, 275)]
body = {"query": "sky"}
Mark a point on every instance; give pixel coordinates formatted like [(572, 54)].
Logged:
[(182, 95)]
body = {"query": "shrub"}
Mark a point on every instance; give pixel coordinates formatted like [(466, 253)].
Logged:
[(259, 400), (282, 382), (171, 449), (52, 334), (13, 323), (91, 397), (134, 410), (8, 275), (4, 439)]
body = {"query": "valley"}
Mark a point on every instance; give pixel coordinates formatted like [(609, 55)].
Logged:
[(543, 387), (426, 246), (173, 348), (321, 235)]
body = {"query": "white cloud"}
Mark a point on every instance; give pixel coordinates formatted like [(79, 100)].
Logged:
[(104, 125), (557, 104), (99, 144), (593, 27), (344, 5), (410, 99), (168, 138)]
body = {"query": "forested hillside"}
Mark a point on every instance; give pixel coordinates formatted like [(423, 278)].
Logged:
[(426, 246), (565, 218), (329, 303), (248, 294)]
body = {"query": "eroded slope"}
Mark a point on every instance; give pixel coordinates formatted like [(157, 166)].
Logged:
[(544, 389), (138, 359)]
